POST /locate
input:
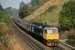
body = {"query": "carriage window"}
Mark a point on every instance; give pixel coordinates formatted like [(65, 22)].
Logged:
[(49, 31)]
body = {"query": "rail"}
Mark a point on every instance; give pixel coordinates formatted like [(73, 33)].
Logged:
[(38, 45), (19, 24), (67, 45)]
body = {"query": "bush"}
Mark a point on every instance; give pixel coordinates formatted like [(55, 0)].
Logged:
[(67, 16)]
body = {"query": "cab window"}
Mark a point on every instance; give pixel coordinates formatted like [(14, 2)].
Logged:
[(52, 31), (49, 31)]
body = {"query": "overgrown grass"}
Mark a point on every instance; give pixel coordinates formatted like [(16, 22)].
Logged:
[(47, 17), (4, 16), (37, 3), (3, 40)]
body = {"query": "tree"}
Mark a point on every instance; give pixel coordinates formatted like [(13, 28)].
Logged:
[(36, 3), (1, 8), (67, 16), (24, 10)]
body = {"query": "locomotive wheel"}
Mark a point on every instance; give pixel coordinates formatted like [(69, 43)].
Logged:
[(52, 44), (49, 44)]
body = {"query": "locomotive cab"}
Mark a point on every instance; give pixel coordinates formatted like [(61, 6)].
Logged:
[(51, 35)]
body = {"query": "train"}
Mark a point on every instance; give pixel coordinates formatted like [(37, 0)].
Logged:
[(49, 35)]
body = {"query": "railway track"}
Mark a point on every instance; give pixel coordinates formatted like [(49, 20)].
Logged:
[(33, 43), (66, 46), (29, 39)]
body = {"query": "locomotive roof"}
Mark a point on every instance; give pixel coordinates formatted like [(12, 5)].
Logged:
[(50, 28)]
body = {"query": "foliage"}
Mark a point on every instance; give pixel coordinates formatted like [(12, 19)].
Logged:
[(2, 39), (37, 3), (27, 9), (4, 15), (24, 10), (11, 11), (48, 16), (1, 8), (67, 16), (51, 8)]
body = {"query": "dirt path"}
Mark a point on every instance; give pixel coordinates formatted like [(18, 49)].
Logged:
[(14, 43), (40, 10)]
